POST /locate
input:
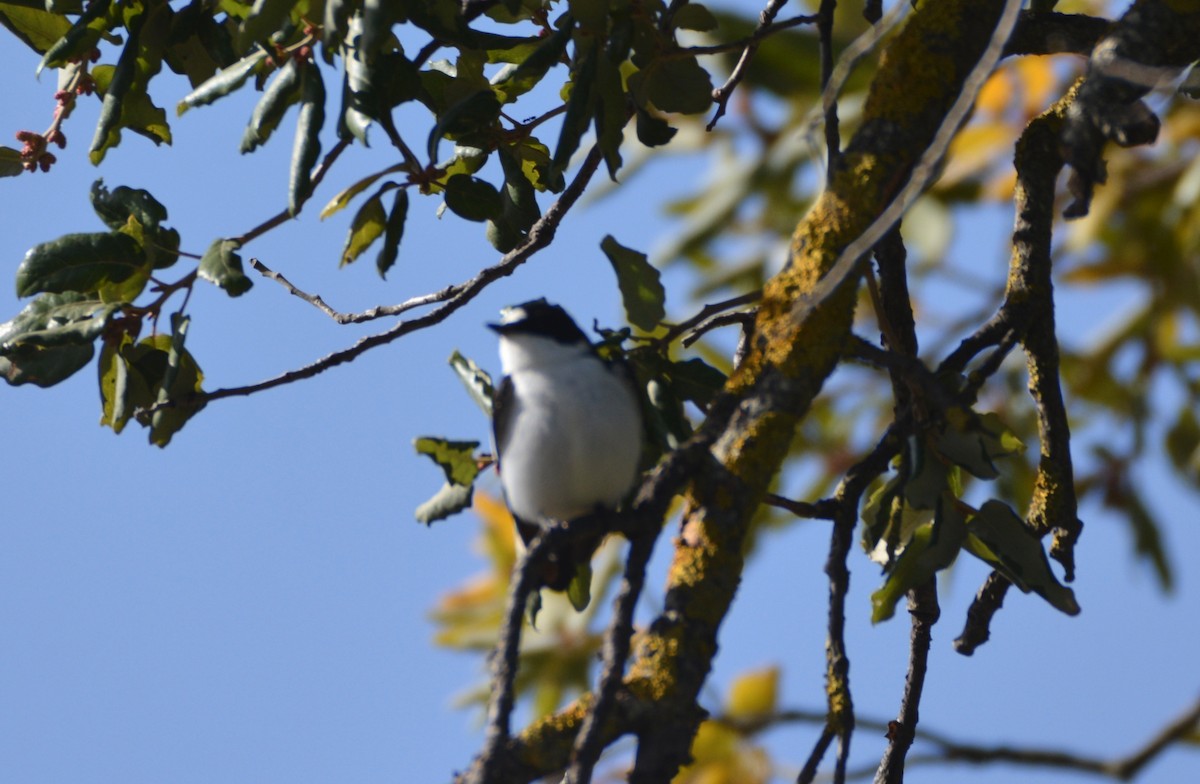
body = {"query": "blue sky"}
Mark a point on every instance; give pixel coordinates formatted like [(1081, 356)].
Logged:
[(251, 603)]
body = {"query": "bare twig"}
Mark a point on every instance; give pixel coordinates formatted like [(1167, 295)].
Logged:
[(505, 658), (716, 322), (833, 142), (1123, 768), (923, 606), (722, 94), (589, 742), (754, 38), (452, 298), (821, 510), (707, 312), (284, 216)]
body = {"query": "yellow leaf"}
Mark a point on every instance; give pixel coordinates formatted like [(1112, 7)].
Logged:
[(1039, 84), (754, 694), (995, 93), (499, 539), (975, 149)]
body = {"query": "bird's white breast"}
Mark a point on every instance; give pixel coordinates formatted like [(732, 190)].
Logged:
[(574, 440)]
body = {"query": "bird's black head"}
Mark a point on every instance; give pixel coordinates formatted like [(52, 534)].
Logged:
[(538, 317)]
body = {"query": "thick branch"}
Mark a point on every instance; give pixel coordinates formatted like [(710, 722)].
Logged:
[(767, 396)]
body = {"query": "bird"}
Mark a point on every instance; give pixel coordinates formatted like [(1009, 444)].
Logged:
[(567, 427)]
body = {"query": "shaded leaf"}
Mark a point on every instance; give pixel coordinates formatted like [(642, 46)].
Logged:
[(932, 547), (674, 85), (179, 381), (474, 112), (642, 292), (694, 16), (81, 37), (472, 198), (999, 537), (653, 131), (222, 266), (393, 233), (307, 146), (222, 83), (533, 68), (79, 262), (279, 95), (579, 590), (265, 17)]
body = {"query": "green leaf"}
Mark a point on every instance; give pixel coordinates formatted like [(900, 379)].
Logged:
[(533, 68), (694, 16), (36, 28), (114, 207), (579, 590), (580, 103), (44, 367), (696, 380), (265, 17), (123, 390), (653, 131), (393, 233), (674, 85), (1183, 444), (307, 146), (476, 380), (108, 127), (79, 262), (1000, 538), (222, 266), (11, 163), (449, 500), (641, 290), (933, 547), (475, 112), (472, 198), (51, 338), (611, 113), (139, 215), (975, 442), (279, 95), (456, 458), (368, 225), (181, 379), (137, 113), (339, 202), (81, 37), (222, 83)]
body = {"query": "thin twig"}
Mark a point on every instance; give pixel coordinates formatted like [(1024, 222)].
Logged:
[(707, 312), (923, 606), (833, 141), (590, 741), (722, 94), (505, 658), (452, 298), (824, 509), (754, 38), (284, 216), (1122, 768)]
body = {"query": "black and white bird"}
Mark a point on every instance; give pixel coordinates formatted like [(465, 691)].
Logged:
[(567, 426)]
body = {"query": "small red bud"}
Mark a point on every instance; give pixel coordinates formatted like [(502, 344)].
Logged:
[(57, 138), (94, 55)]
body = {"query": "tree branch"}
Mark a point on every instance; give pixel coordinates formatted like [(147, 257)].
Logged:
[(452, 297), (722, 94)]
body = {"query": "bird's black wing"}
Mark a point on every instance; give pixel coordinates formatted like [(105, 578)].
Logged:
[(502, 415)]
